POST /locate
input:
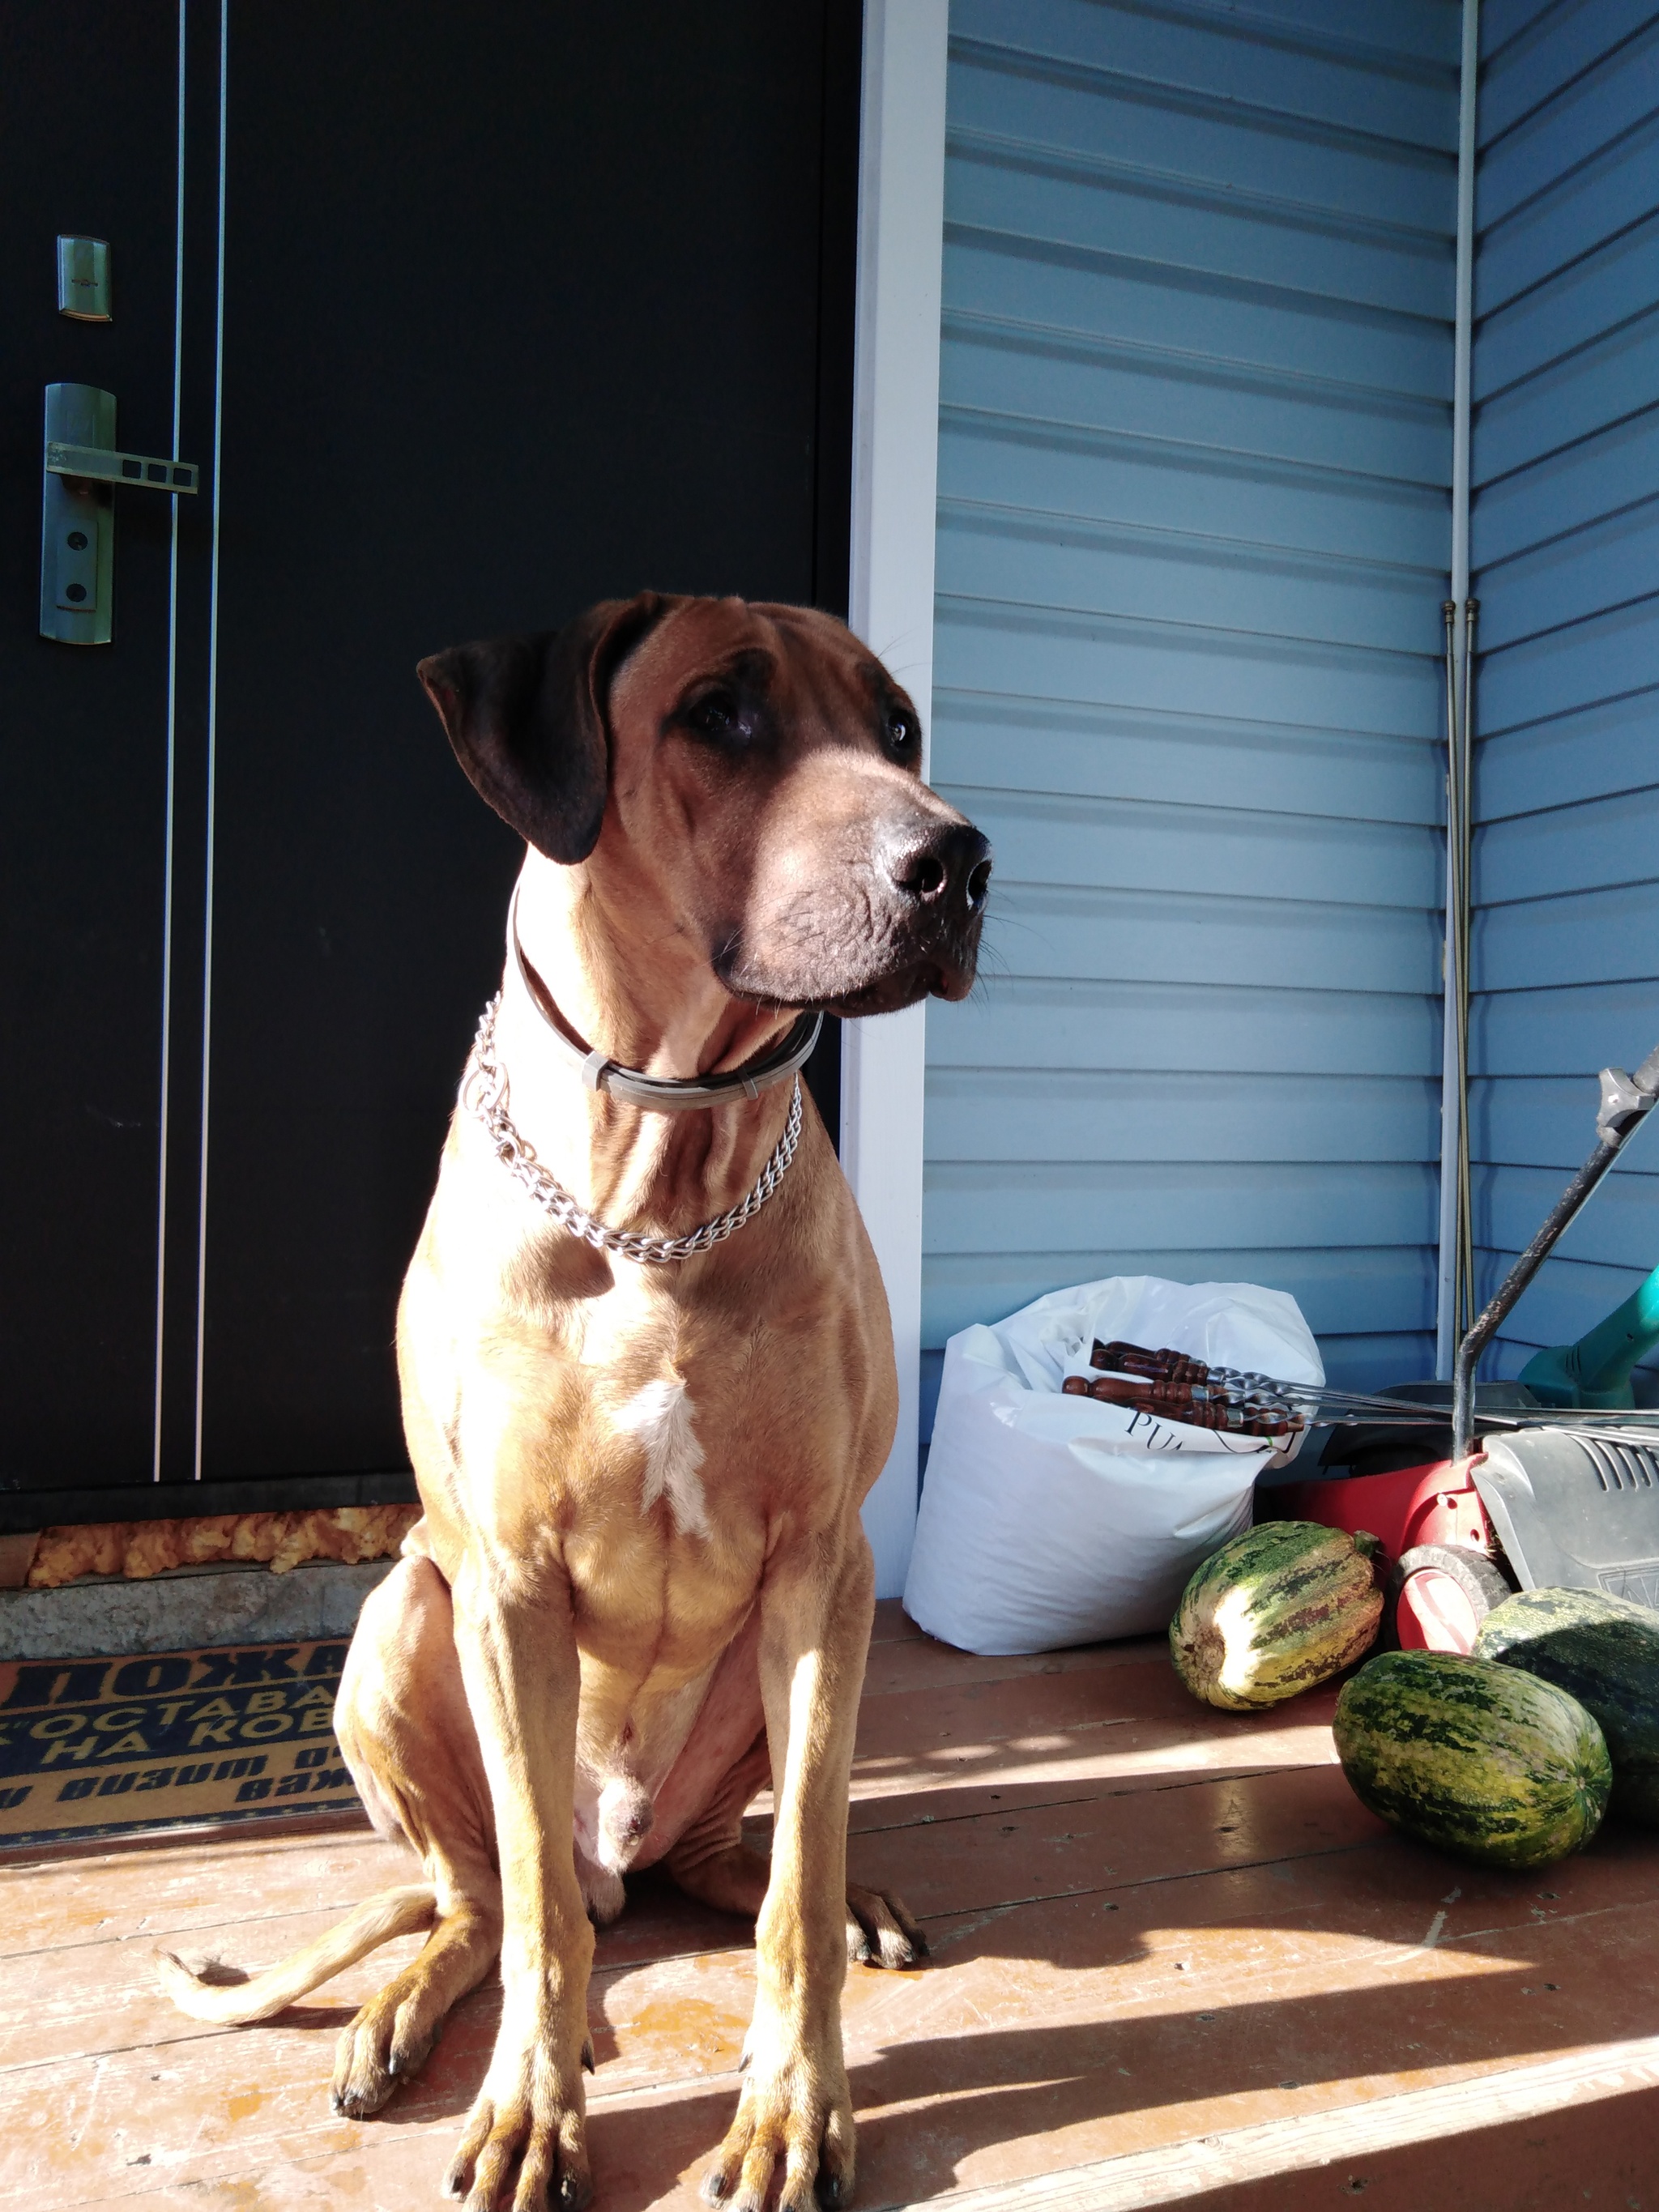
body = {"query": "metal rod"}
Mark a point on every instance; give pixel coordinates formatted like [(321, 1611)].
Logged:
[(1465, 969), (1448, 1320)]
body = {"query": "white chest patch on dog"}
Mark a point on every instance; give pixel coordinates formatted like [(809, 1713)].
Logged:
[(660, 1416)]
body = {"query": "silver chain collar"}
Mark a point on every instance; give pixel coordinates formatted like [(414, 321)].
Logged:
[(484, 1089)]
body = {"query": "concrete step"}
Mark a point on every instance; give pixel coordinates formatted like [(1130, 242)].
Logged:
[(105, 1616)]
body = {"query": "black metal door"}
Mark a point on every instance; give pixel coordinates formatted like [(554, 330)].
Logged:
[(518, 307), (88, 146)]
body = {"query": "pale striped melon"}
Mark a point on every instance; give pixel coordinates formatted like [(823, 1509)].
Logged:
[(1287, 1604)]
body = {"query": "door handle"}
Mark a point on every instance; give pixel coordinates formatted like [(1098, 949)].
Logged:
[(81, 466), (103, 464)]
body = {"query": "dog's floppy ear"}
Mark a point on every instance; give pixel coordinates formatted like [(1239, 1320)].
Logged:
[(527, 716)]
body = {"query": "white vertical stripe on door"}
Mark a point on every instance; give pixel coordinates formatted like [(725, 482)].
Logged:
[(173, 732), (212, 739)]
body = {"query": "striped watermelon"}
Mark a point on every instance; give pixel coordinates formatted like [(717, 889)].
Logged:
[(1605, 1652), (1478, 1759), (1287, 1604)]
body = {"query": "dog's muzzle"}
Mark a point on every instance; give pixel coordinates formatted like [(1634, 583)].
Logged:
[(894, 920)]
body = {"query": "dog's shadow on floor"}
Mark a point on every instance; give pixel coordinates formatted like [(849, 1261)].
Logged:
[(930, 2107)]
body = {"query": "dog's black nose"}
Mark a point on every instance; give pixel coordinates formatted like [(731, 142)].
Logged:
[(949, 866)]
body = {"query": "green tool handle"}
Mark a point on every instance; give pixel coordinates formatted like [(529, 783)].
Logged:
[(1596, 1371), (1612, 1347)]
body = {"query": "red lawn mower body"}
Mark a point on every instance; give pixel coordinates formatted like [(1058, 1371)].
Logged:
[(1409, 1511)]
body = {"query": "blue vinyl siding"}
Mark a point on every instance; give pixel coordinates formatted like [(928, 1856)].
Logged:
[(1195, 467), (1565, 549)]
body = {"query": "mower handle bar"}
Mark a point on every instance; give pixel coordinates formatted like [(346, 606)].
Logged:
[(1626, 1101)]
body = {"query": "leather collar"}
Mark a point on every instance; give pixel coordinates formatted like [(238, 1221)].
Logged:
[(662, 1094)]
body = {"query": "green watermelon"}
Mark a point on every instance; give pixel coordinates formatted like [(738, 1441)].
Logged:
[(1287, 1604), (1478, 1758), (1605, 1652)]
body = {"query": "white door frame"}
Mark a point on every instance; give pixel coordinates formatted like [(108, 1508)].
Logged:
[(895, 487)]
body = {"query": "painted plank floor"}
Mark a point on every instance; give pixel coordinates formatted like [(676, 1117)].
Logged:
[(1174, 1962)]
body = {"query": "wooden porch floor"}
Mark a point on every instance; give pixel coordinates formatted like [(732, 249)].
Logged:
[(1174, 1963)]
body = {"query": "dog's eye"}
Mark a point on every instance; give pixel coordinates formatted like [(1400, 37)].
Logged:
[(719, 717), (901, 731)]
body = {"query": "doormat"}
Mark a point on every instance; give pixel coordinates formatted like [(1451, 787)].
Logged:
[(93, 1748)]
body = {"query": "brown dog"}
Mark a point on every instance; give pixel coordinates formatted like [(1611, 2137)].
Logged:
[(641, 1589)]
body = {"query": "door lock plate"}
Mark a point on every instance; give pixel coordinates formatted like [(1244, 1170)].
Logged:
[(77, 523), (81, 465)]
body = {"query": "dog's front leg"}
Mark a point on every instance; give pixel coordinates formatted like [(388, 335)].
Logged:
[(518, 1652), (796, 2109)]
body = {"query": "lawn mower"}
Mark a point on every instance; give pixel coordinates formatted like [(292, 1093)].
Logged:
[(1551, 1480)]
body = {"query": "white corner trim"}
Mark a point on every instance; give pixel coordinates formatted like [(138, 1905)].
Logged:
[(895, 484), (883, 1070)]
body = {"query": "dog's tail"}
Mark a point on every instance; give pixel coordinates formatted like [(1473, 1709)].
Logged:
[(225, 1995)]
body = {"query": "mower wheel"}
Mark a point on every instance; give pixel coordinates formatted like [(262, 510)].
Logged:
[(1438, 1595)]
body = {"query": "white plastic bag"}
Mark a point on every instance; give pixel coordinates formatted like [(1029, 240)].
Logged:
[(1048, 1520)]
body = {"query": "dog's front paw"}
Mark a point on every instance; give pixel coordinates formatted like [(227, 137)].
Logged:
[(530, 2113), (795, 2115)]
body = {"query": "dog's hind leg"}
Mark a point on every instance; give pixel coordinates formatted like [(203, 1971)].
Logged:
[(712, 1863), (403, 1725)]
